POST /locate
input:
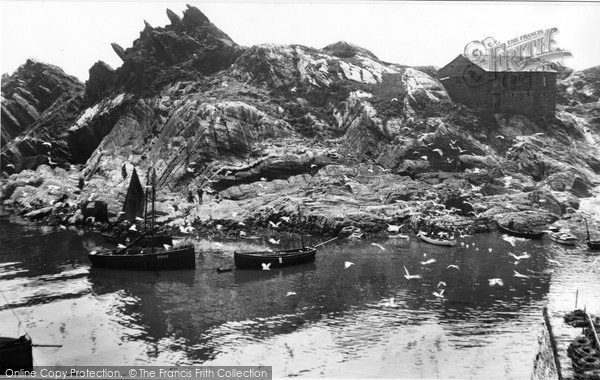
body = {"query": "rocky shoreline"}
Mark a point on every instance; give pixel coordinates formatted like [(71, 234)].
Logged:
[(360, 146)]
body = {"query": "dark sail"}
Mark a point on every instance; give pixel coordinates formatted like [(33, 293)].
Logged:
[(134, 201)]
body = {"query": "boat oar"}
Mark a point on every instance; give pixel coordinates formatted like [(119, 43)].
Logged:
[(46, 345), (325, 242)]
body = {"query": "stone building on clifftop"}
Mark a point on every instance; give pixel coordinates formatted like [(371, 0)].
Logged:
[(530, 92)]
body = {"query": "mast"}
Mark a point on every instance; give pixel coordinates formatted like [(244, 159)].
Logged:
[(153, 197), (146, 201), (587, 229), (301, 232)]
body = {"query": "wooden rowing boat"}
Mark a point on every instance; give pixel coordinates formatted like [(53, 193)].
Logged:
[(436, 241), (563, 237), (528, 234), (274, 259), (16, 354)]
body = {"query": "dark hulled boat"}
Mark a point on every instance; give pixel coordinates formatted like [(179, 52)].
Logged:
[(146, 258), (148, 240), (525, 233), (16, 354), (274, 259), (137, 257), (594, 245)]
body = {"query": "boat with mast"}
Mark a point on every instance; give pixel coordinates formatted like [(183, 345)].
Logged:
[(152, 257), (134, 206)]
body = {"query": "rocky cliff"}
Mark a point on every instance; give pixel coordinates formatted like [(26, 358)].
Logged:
[(358, 143)]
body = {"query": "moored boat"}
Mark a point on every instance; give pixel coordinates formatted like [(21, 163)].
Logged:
[(274, 259), (16, 354), (438, 241), (525, 233), (142, 240), (137, 257), (592, 244), (563, 237), (148, 258)]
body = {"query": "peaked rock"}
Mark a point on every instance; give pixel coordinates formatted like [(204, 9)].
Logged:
[(119, 50), (175, 20), (147, 26), (343, 49), (193, 17), (101, 82)]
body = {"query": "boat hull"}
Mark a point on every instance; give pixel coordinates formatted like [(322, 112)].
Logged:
[(146, 259), (277, 259), (594, 245), (15, 354), (444, 243), (564, 241), (146, 241), (522, 234)]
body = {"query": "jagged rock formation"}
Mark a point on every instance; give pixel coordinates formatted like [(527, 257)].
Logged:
[(100, 83), (358, 142)]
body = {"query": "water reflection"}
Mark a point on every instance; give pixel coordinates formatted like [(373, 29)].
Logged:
[(314, 320)]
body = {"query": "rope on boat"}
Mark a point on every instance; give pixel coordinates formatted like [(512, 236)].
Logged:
[(325, 242), (593, 328)]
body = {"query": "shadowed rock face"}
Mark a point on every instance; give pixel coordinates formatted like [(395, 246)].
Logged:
[(357, 142), (30, 91), (188, 48)]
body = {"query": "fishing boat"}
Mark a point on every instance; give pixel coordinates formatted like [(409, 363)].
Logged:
[(525, 233), (274, 259), (563, 237), (136, 257), (438, 241), (592, 244), (134, 206), (16, 354)]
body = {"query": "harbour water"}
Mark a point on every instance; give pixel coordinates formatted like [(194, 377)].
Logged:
[(327, 319)]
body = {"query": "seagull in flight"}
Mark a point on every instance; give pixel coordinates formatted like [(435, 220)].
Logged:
[(133, 227), (555, 262), (290, 294), (378, 245), (266, 266), (441, 153), (519, 275), (409, 276), (47, 144), (430, 261), (274, 225), (285, 219), (393, 228), (495, 282), (121, 246), (452, 266), (439, 294), (524, 256)]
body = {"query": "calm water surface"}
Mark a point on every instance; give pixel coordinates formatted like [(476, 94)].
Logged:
[(363, 321)]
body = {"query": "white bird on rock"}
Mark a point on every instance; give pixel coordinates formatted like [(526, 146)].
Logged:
[(133, 227), (273, 241), (138, 219), (290, 294), (393, 228), (348, 264), (495, 282), (121, 246), (186, 230), (439, 294), (167, 246), (285, 219)]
